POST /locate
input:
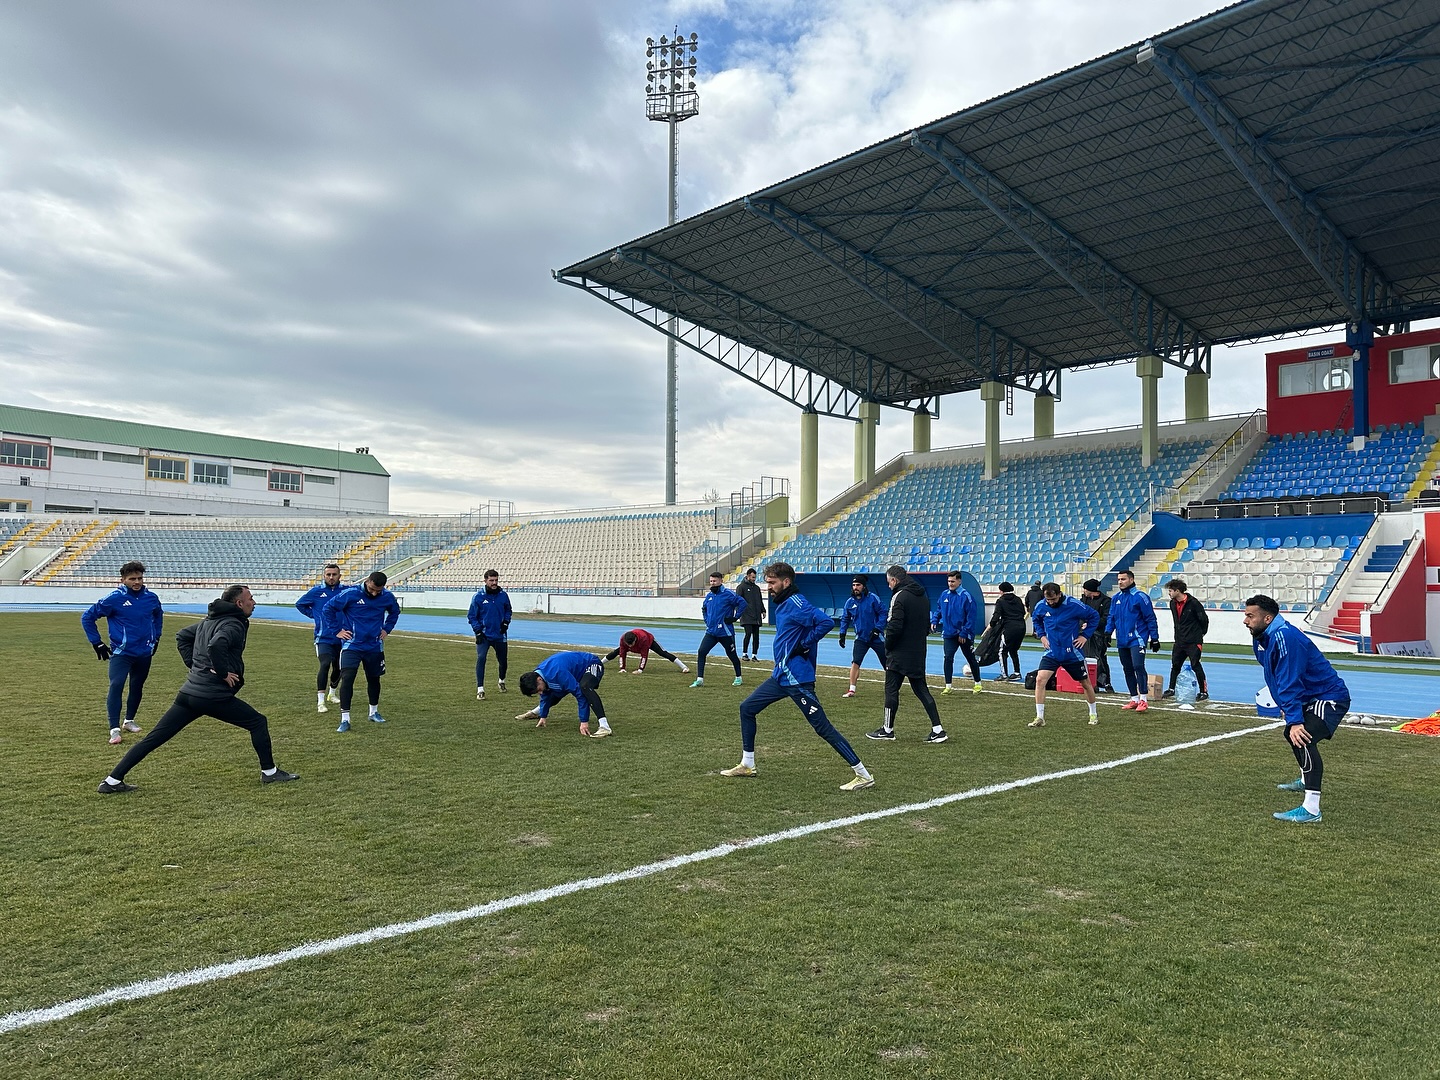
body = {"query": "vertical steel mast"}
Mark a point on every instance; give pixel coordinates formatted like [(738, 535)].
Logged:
[(670, 97)]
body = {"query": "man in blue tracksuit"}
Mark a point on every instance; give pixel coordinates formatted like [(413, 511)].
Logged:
[(133, 617), (366, 613), (799, 627), (564, 674), (719, 610), (866, 614), (327, 641), (954, 617), (1132, 624), (1063, 625), (1312, 697), (489, 617)]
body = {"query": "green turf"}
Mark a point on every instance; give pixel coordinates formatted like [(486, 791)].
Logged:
[(1146, 921)]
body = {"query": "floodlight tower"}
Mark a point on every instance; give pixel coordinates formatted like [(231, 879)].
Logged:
[(670, 97)]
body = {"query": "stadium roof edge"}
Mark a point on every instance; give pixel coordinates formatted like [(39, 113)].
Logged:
[(42, 423)]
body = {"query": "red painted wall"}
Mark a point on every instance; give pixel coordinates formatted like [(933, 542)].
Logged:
[(1404, 616), (1405, 403)]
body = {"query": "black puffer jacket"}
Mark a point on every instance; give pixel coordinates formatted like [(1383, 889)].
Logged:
[(754, 613), (907, 627), (213, 648)]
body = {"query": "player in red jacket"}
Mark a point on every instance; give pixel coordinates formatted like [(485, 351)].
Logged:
[(643, 643)]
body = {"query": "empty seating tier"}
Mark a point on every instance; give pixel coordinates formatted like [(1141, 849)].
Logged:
[(1301, 466)]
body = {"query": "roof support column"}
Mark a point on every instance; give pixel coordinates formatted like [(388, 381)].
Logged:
[(809, 463), (1150, 369), (1044, 415), (920, 432), (1197, 396), (1360, 338), (992, 393), (865, 441)]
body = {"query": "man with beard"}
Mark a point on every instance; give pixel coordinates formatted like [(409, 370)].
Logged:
[(906, 632)]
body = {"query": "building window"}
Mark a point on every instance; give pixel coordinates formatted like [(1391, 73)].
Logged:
[(14, 507), (280, 480), (76, 452), (313, 478), (164, 468), (1415, 365), (1315, 376), (124, 459), (28, 455), (207, 472), (245, 470)]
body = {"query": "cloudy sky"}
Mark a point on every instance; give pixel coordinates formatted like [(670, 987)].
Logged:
[(334, 222)]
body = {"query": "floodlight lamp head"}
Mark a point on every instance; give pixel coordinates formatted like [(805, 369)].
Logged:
[(1146, 53)]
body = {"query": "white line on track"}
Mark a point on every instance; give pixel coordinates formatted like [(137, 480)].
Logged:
[(198, 976)]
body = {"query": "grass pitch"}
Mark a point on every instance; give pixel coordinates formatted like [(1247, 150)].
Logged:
[(1150, 920)]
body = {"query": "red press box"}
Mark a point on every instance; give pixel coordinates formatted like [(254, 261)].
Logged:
[(1066, 685)]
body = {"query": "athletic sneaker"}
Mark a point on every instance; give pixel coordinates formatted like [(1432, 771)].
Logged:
[(1039, 721), (1299, 815), (1001, 678), (1015, 677), (1142, 705), (376, 718), (1202, 696), (114, 736), (131, 725), (332, 697), (697, 682), (881, 733), (1131, 704), (948, 689), (937, 736), (321, 707), (279, 776), (1168, 694), (738, 681), (107, 788), (859, 783), (683, 669), (344, 727), (848, 693), (978, 688), (1094, 720), (1293, 785), (502, 686), (741, 770), (479, 693), (602, 733)]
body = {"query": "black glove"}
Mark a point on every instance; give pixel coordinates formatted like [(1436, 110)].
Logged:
[(842, 641), (102, 651), (798, 652), (479, 639), (1154, 644)]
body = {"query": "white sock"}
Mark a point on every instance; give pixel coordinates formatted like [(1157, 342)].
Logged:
[(270, 771), (861, 771), (937, 727), (320, 697), (852, 688), (345, 716), (1312, 801), (1039, 712), (1092, 710), (113, 782), (374, 709), (605, 723), (747, 757), (480, 689)]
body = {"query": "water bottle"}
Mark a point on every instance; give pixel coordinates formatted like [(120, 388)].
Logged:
[(1186, 687)]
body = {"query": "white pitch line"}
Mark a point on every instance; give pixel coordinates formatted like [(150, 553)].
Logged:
[(197, 976)]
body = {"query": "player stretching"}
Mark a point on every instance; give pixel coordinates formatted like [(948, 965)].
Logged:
[(367, 613), (490, 619), (1063, 625), (799, 626), (133, 617), (642, 643), (327, 645), (1312, 698), (566, 673), (866, 613)]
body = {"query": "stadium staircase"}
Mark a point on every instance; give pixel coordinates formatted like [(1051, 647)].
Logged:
[(1364, 589), (30, 532), (1428, 470), (361, 557), (77, 546)]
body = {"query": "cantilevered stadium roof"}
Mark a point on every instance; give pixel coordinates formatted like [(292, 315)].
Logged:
[(1271, 168)]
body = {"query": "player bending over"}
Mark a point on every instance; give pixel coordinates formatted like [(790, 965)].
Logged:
[(567, 673), (642, 643)]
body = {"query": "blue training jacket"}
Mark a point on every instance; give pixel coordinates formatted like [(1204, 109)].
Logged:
[(799, 626), (490, 613), (312, 606), (954, 616), (133, 620), (865, 613), (1296, 672), (1060, 626), (720, 610), (1132, 618), (365, 616), (562, 673)]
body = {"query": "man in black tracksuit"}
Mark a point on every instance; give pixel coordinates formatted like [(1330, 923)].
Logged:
[(214, 651), (753, 615), (906, 628), (1099, 643), (1192, 623)]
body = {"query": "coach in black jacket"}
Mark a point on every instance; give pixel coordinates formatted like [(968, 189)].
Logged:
[(907, 629), (214, 651), (1098, 646), (1192, 623)]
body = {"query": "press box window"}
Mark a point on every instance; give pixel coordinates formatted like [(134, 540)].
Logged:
[(1315, 376), (76, 452), (27, 455), (1415, 365), (164, 468), (207, 472), (280, 480), (124, 459)]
